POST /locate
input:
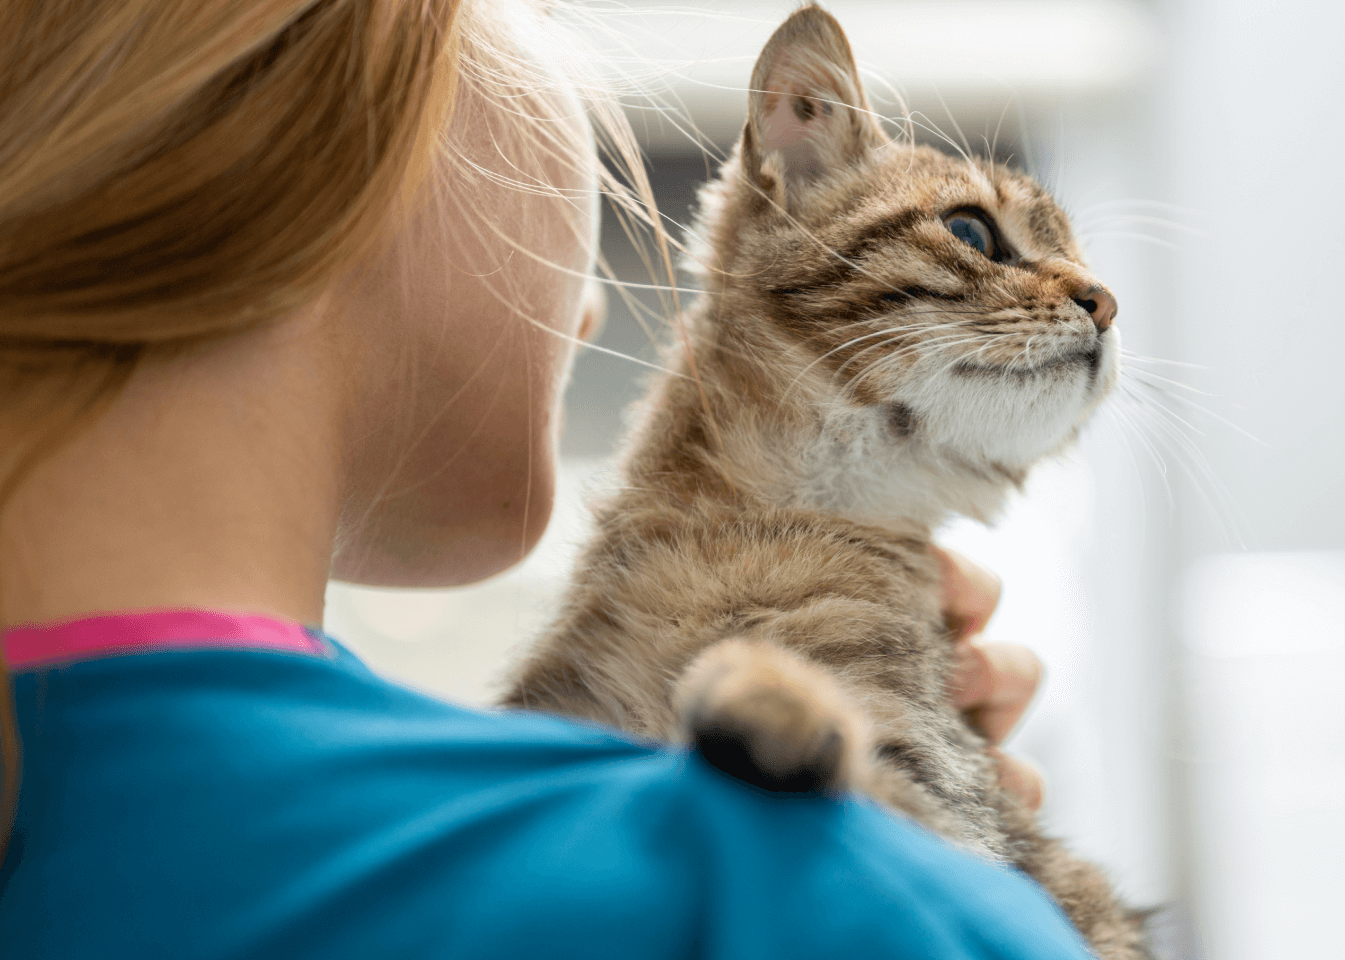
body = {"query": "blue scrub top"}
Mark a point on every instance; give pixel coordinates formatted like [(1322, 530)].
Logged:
[(260, 804)]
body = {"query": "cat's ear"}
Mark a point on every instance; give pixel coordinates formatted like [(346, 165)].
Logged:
[(807, 113)]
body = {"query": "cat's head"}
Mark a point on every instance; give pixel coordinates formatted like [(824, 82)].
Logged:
[(936, 303)]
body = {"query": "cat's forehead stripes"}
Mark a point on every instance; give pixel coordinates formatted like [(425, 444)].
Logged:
[(913, 180), (880, 231), (1031, 218), (915, 189)]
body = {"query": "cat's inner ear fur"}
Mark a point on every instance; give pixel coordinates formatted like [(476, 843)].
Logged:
[(807, 113)]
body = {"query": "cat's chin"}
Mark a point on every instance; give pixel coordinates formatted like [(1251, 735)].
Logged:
[(960, 445), (1010, 417)]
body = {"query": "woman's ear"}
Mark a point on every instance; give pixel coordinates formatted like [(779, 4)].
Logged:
[(807, 113)]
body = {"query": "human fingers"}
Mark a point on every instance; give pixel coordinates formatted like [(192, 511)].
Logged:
[(993, 683), (1021, 778), (970, 593)]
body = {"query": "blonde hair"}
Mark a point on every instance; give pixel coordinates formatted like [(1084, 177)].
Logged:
[(178, 173)]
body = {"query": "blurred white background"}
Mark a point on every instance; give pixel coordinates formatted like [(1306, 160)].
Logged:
[(1181, 572)]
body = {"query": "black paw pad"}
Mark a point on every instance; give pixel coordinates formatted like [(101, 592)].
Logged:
[(728, 750)]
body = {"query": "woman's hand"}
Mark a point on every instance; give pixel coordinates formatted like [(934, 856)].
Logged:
[(993, 682)]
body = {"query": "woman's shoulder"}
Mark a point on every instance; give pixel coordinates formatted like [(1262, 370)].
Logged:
[(302, 806)]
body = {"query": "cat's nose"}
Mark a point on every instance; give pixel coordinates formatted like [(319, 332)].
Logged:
[(1100, 304)]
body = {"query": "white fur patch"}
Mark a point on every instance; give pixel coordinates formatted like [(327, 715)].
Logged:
[(972, 433)]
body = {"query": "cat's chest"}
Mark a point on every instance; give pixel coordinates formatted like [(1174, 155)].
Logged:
[(711, 564)]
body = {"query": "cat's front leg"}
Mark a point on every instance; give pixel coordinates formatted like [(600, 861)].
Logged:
[(768, 717), (759, 707), (765, 714)]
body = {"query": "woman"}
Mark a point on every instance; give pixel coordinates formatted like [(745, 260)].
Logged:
[(272, 312)]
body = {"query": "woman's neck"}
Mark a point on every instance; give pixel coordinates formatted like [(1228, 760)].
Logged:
[(209, 483)]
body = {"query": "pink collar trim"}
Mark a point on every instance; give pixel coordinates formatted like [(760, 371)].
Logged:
[(151, 631)]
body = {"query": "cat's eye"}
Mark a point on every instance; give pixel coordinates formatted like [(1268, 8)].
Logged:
[(972, 228)]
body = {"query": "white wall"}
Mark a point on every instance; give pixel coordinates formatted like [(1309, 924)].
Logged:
[(1255, 88), (1252, 89)]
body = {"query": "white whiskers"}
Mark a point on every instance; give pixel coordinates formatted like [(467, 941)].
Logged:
[(1145, 406)]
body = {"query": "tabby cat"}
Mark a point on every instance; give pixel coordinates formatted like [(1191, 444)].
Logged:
[(886, 336)]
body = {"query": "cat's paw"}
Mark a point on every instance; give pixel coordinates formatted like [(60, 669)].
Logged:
[(771, 719)]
